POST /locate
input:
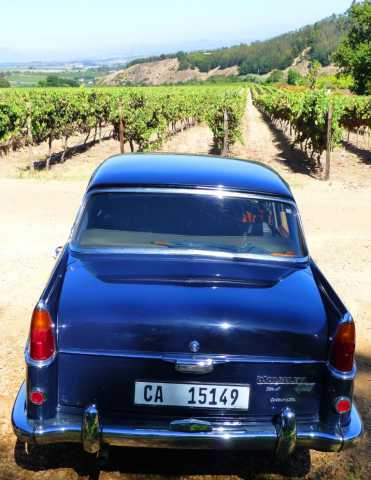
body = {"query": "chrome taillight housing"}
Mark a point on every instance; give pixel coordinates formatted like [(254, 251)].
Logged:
[(42, 340), (343, 347)]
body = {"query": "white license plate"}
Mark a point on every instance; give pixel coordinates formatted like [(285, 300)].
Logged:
[(192, 395)]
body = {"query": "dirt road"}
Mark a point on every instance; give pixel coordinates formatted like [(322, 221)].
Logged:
[(36, 216)]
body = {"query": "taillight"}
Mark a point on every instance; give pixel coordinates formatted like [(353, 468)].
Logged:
[(342, 405), (37, 397), (42, 341), (343, 346)]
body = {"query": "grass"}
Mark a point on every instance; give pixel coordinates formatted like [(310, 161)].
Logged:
[(62, 172), (29, 78)]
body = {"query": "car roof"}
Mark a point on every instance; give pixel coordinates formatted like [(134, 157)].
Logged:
[(174, 170)]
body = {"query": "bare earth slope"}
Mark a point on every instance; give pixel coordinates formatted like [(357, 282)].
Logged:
[(162, 71), (36, 216), (167, 71)]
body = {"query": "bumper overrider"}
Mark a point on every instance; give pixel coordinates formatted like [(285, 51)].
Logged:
[(283, 436)]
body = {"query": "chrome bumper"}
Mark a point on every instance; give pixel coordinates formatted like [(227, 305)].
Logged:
[(282, 437)]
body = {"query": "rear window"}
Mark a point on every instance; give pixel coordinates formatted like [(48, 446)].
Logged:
[(189, 221)]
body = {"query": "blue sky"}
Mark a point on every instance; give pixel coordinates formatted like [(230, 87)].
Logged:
[(69, 29)]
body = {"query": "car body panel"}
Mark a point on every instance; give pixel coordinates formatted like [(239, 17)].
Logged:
[(229, 318)]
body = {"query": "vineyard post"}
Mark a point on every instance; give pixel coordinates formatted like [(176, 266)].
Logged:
[(29, 138), (329, 142), (226, 139), (50, 151), (121, 128)]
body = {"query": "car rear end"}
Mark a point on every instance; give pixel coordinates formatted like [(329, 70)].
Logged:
[(182, 401), (239, 344)]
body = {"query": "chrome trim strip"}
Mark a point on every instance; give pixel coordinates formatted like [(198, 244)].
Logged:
[(193, 365), (190, 425), (180, 357), (190, 252), (347, 318), (37, 363), (187, 252), (342, 375), (263, 435), (216, 192)]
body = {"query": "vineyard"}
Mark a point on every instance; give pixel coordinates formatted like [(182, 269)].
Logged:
[(145, 117), (314, 118)]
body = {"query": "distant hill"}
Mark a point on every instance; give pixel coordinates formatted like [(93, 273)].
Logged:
[(261, 57), (161, 72), (318, 41)]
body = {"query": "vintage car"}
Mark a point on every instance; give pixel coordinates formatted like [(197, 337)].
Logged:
[(185, 312)]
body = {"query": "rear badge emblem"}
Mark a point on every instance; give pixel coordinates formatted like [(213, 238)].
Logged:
[(194, 346)]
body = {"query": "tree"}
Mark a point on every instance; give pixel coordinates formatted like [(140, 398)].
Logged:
[(4, 83), (56, 81), (354, 54), (294, 77), (313, 73), (276, 76)]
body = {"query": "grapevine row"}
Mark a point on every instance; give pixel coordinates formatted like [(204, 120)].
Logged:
[(305, 114), (149, 115)]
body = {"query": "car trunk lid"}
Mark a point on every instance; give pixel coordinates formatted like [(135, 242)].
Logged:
[(123, 319)]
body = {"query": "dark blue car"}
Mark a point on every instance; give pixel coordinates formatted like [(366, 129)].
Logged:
[(186, 312)]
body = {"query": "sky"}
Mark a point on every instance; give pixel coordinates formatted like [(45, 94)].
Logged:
[(73, 29)]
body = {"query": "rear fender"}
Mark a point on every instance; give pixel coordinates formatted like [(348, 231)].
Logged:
[(42, 375), (338, 384)]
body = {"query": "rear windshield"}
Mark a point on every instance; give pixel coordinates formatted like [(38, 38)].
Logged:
[(185, 221)]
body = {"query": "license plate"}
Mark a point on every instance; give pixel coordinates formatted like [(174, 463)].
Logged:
[(192, 395)]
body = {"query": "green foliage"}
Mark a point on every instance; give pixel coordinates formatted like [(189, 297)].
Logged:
[(294, 77), (230, 103), (31, 77), (354, 54), (149, 114), (277, 76), (313, 73), (4, 83), (335, 82), (305, 112), (184, 63), (56, 81)]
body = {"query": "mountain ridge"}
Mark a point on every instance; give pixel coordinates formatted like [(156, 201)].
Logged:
[(263, 56), (318, 41)]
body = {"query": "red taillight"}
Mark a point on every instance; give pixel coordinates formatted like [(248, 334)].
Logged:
[(343, 346), (37, 397), (42, 342), (342, 405)]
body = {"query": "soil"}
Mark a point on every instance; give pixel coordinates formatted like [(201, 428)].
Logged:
[(36, 214), (163, 72)]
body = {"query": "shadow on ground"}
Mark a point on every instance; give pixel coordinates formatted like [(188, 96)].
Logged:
[(170, 463), (61, 157), (215, 150), (363, 154), (363, 394), (167, 463), (296, 160)]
